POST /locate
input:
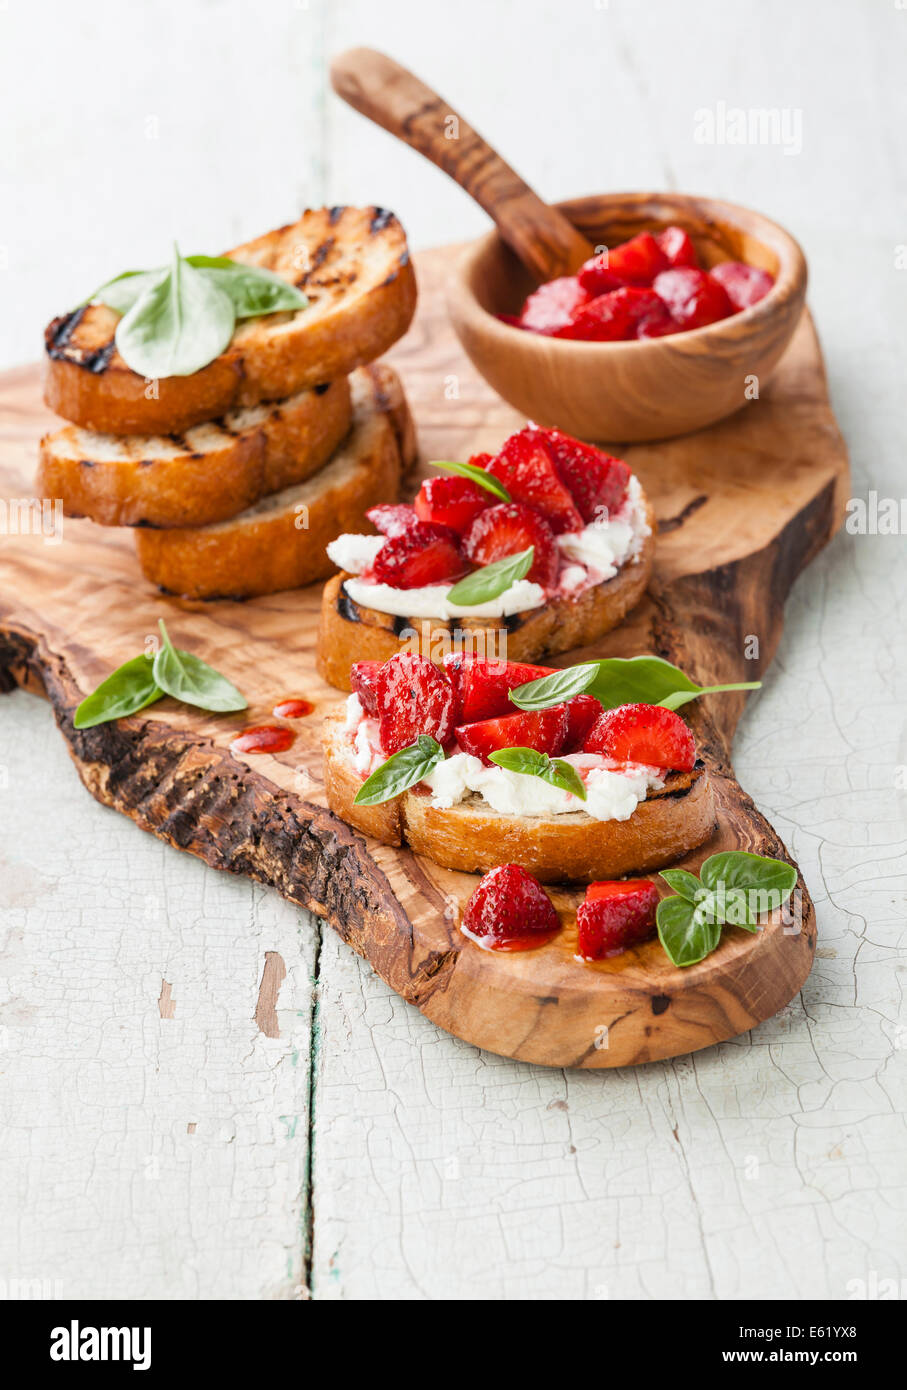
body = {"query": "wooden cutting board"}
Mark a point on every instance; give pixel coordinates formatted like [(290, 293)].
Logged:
[(742, 508)]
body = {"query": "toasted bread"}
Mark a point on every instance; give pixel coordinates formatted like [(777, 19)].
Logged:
[(348, 632), (279, 542), (352, 263), (209, 473), (572, 848)]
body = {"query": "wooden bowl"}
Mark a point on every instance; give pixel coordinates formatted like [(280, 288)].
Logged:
[(631, 391)]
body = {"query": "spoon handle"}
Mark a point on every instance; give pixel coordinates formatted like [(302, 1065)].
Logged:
[(378, 87)]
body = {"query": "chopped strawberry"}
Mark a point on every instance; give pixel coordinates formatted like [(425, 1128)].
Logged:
[(637, 261), (677, 246), (743, 284), (392, 518), (451, 501), (615, 915), (424, 554), (541, 729), (582, 712), (643, 734), (552, 306), (510, 908), (525, 468), (657, 324), (603, 320), (596, 277), (481, 460), (595, 479), (412, 697), (507, 529), (364, 683), (693, 297), (482, 686)]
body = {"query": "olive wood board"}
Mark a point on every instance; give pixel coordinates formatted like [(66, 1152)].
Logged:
[(742, 508)]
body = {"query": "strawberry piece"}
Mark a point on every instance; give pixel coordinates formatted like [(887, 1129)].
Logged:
[(392, 518), (451, 501), (677, 247), (525, 468), (481, 460), (552, 306), (657, 324), (424, 554), (603, 320), (507, 529), (482, 686), (582, 712), (596, 277), (743, 284), (594, 479), (693, 297), (364, 683), (637, 261), (615, 915), (412, 697), (541, 729), (510, 909), (643, 734)]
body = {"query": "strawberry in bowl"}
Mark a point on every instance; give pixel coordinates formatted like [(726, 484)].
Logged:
[(541, 547), (651, 286)]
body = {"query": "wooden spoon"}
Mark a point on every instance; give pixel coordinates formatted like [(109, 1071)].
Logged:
[(545, 241)]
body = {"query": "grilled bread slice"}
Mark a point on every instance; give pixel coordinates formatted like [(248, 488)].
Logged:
[(206, 474), (572, 848), (349, 632), (352, 263), (279, 543)]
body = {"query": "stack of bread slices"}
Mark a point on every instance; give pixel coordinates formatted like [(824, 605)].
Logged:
[(238, 475)]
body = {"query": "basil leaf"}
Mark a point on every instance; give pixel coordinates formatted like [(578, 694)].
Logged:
[(178, 325), (125, 691), (188, 678), (492, 580), (252, 290), (646, 680), (477, 475), (531, 763), (686, 937), (403, 769), (555, 689), (766, 883), (122, 291), (686, 884)]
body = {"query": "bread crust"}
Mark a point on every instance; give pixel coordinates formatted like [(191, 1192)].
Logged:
[(207, 474), (264, 548), (348, 632), (354, 265), (572, 848)]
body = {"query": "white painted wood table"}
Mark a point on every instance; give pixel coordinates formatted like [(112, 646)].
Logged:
[(203, 1095)]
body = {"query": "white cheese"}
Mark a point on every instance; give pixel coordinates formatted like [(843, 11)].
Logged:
[(354, 553), (611, 794), (431, 601)]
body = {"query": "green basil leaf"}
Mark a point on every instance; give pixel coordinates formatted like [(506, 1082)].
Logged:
[(646, 680), (122, 291), (252, 290), (766, 882), (403, 769), (686, 884), (492, 580), (686, 937), (531, 763), (477, 475), (125, 691), (188, 678), (555, 689), (178, 325)]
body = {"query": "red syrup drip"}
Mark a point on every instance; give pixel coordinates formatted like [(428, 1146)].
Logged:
[(263, 738), (525, 941), (292, 708)]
